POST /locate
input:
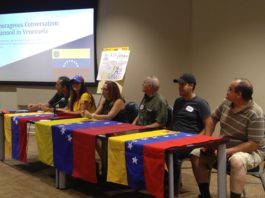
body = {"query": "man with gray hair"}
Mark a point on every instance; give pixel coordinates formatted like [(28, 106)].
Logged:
[(153, 107)]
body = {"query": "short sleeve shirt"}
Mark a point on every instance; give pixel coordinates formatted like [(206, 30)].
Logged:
[(242, 126), (188, 115), (153, 109), (85, 97)]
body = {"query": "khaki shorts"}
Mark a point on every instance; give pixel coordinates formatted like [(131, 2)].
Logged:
[(250, 160)]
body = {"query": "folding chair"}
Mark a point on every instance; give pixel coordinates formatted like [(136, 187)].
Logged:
[(258, 172)]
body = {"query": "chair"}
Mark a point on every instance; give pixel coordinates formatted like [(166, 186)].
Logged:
[(131, 110), (258, 172), (169, 116)]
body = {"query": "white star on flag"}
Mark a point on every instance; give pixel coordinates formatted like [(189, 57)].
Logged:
[(130, 145), (165, 136), (69, 138), (134, 160), (62, 131), (16, 122)]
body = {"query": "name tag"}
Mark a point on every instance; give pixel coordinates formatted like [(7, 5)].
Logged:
[(189, 109)]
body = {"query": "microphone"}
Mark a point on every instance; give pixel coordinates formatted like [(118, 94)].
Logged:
[(55, 104), (61, 100)]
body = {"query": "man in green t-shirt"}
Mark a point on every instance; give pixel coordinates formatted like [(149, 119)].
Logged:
[(153, 107)]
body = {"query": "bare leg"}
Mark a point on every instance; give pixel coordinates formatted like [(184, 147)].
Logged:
[(237, 175), (200, 169)]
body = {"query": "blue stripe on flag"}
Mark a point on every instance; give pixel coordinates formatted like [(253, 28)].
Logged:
[(134, 157), (15, 132), (62, 142)]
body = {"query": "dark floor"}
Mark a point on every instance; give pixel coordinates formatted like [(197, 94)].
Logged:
[(35, 179)]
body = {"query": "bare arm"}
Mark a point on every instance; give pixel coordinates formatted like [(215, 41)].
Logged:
[(135, 120), (155, 125), (116, 108), (209, 126), (39, 106), (247, 147), (79, 112)]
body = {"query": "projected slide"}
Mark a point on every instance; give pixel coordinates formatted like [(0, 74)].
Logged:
[(41, 46)]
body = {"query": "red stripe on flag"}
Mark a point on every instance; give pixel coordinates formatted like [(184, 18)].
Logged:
[(84, 146), (84, 163), (154, 160), (23, 141)]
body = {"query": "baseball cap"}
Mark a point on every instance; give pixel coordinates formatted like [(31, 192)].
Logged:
[(77, 78), (185, 78)]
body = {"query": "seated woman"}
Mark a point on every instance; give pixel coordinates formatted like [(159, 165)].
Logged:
[(113, 107), (80, 99)]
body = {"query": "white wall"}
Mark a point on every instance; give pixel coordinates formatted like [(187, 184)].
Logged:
[(228, 41), (158, 34)]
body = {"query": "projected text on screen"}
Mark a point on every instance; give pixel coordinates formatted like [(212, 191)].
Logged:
[(41, 46)]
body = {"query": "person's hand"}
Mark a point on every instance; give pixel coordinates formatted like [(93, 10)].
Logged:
[(33, 107), (61, 111), (45, 108), (86, 114)]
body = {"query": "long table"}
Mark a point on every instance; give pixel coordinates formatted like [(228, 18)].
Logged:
[(141, 159), (69, 145), (86, 133)]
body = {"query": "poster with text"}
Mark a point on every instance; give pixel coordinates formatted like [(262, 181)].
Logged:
[(113, 63)]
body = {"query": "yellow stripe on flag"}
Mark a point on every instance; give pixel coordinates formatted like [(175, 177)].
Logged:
[(116, 154), (44, 137), (70, 53), (8, 129)]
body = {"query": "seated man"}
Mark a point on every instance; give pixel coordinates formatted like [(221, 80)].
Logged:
[(242, 122), (191, 114), (153, 108), (63, 91)]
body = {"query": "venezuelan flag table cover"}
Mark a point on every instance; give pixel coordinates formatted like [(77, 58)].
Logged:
[(137, 159), (15, 127), (84, 144), (69, 145), (44, 137)]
